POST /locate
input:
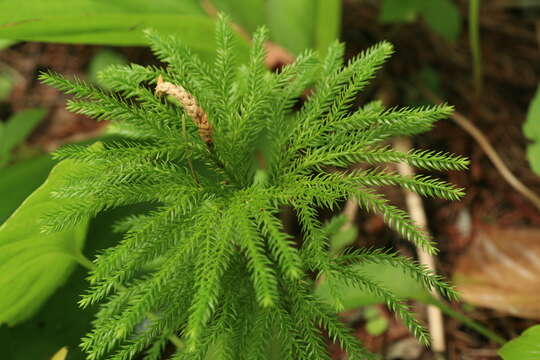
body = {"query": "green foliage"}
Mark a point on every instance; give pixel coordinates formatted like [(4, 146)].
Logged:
[(16, 129), (396, 11), (524, 347), (376, 323), (248, 14), (328, 24), (308, 24), (33, 265), (60, 322), (115, 22), (212, 264), (317, 23), (103, 59), (442, 16), (340, 235), (5, 43), (98, 22), (384, 269), (531, 129), (474, 43), (295, 35), (20, 180), (382, 272), (114, 29)]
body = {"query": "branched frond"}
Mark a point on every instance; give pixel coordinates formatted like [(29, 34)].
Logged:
[(353, 277), (420, 184), (209, 265), (419, 271)]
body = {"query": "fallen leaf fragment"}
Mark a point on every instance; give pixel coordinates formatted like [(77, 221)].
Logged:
[(501, 271)]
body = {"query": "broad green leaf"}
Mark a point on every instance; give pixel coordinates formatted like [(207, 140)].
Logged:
[(524, 347), (399, 11), (101, 60), (443, 17), (531, 129), (13, 12), (16, 129), (61, 354), (196, 31), (61, 322), (20, 180), (292, 23), (249, 16), (328, 24), (110, 28), (32, 264), (533, 154), (343, 239)]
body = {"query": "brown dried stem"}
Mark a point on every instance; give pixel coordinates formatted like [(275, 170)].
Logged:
[(484, 143), (197, 114)]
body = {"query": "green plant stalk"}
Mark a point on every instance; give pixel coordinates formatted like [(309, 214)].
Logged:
[(445, 308), (474, 42)]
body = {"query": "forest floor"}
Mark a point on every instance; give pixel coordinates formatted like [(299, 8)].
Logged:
[(510, 44)]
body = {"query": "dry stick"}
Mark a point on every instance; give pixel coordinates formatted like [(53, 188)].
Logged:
[(484, 143), (350, 211), (418, 215)]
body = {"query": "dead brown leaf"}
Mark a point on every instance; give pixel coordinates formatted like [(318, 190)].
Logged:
[(501, 270)]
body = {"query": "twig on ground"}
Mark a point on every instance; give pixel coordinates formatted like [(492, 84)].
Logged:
[(418, 215), (484, 143)]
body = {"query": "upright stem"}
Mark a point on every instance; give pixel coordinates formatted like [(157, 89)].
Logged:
[(85, 262), (474, 42), (469, 322)]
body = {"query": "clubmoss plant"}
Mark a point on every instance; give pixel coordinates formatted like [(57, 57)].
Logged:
[(219, 150)]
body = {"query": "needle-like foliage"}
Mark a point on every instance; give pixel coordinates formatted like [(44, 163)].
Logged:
[(219, 150)]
